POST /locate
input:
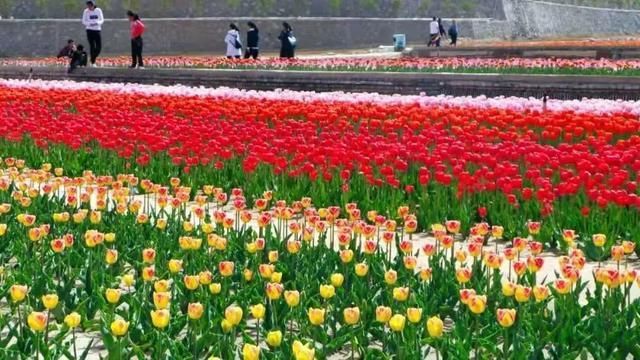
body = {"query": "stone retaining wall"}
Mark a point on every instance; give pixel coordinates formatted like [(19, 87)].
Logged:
[(560, 87)]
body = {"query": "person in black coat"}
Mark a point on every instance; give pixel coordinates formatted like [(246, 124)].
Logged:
[(253, 38), (453, 33), (287, 41)]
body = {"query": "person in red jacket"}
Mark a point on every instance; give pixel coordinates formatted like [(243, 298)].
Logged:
[(137, 29)]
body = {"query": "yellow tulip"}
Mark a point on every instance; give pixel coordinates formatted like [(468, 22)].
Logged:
[(401, 293), (435, 327), (248, 275), (274, 338), (362, 269), (112, 296), (73, 320), (37, 321), (215, 288), (233, 314), (276, 277), (162, 286), (522, 293), (128, 280), (273, 256), (346, 256), (477, 304), (119, 327), (3, 229), (316, 316), (257, 311), (599, 240), (205, 277), (226, 325), (50, 301), (390, 277), (161, 299), (110, 237), (383, 314), (111, 256), (327, 291), (337, 280), (175, 266), (351, 315), (160, 318), (506, 317), (195, 311), (250, 352), (414, 315), (396, 323), (303, 352), (191, 282), (508, 288), (292, 297)]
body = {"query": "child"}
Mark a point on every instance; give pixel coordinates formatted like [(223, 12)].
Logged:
[(78, 58)]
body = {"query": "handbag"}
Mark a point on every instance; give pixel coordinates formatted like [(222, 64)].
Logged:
[(292, 40), (238, 44)]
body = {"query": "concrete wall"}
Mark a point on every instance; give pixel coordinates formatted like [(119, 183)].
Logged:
[(71, 9), (551, 19), (206, 35)]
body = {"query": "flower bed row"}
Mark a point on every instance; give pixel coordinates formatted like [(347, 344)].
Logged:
[(586, 66), (170, 274), (571, 164)]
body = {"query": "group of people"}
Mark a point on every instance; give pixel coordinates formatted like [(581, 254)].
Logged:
[(92, 19), (235, 47), (437, 32)]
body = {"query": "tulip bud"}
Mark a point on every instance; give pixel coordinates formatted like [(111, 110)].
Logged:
[(327, 291), (215, 288), (383, 314), (292, 297)]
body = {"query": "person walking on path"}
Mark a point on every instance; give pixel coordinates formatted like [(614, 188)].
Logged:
[(137, 29), (434, 32), (288, 42), (92, 19), (442, 31), (253, 39), (453, 33), (234, 46)]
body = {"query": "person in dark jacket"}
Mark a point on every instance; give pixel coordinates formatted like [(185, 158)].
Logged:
[(287, 41), (78, 58), (443, 33), (68, 50), (453, 33), (253, 38)]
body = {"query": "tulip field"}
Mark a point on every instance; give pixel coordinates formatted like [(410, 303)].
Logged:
[(169, 222), (579, 66)]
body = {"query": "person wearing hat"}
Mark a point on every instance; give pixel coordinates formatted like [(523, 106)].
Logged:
[(93, 19)]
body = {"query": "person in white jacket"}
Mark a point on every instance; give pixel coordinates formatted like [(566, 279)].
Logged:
[(92, 19), (234, 46)]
